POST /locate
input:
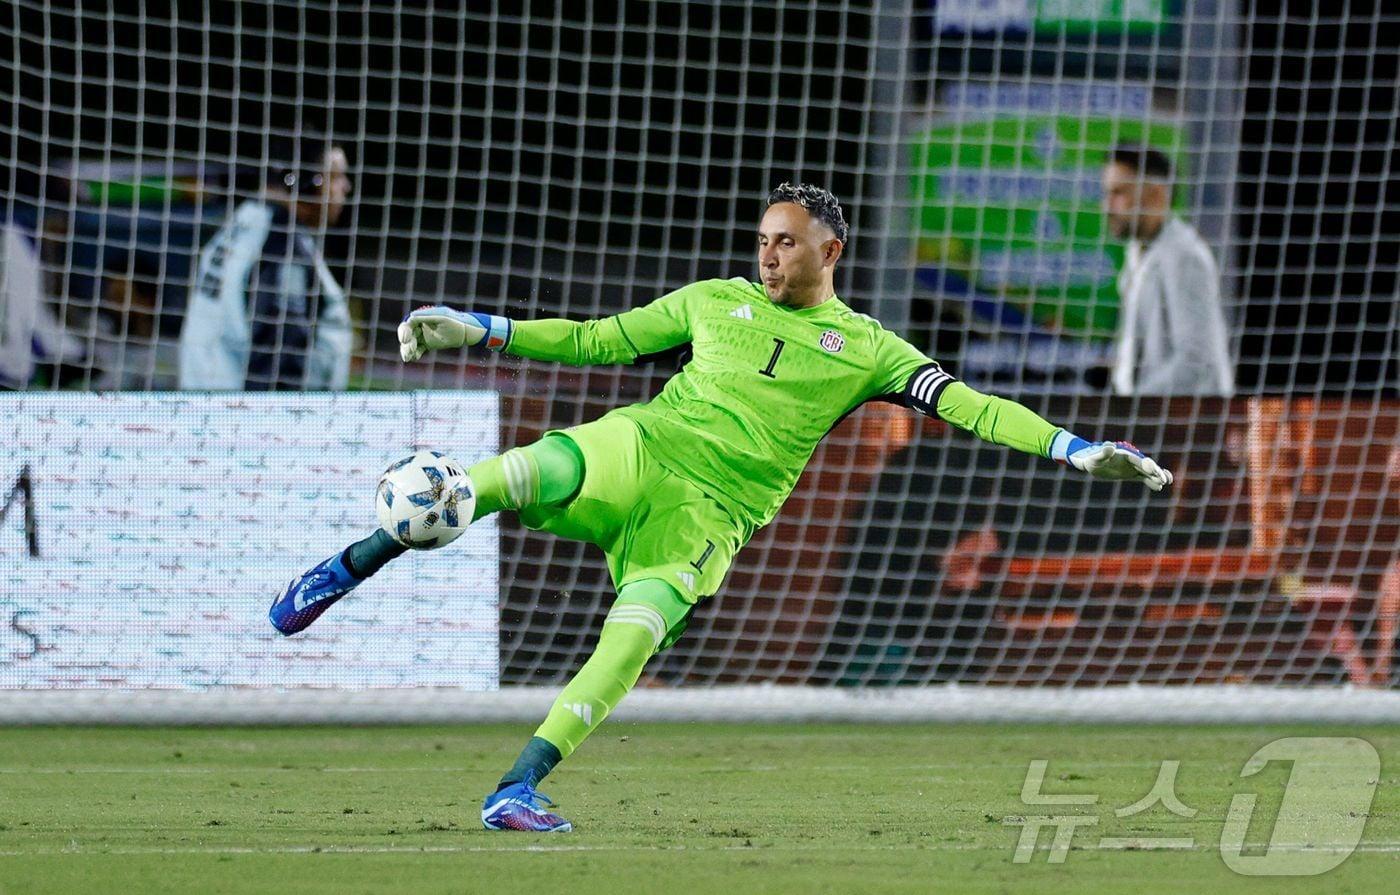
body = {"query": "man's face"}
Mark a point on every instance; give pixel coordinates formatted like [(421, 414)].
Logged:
[(337, 187), (793, 249), (327, 202), (1132, 202)]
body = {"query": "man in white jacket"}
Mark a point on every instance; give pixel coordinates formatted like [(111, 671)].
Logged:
[(1172, 334), (265, 313)]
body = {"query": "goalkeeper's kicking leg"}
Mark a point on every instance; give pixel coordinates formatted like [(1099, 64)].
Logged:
[(546, 473)]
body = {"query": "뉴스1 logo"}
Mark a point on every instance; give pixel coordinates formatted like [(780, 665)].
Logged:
[(833, 341), (1318, 824)]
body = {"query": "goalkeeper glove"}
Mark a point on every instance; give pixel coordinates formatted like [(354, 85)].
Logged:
[(1113, 460), (433, 328)]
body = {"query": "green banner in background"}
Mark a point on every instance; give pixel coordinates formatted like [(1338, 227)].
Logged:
[(1086, 16), (1008, 195), (1075, 19)]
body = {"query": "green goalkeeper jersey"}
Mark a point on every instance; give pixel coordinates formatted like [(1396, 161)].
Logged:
[(765, 383)]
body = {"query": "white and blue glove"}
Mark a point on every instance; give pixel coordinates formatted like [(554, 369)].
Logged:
[(1116, 461), (434, 328)]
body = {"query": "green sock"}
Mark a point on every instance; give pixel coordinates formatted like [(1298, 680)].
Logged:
[(630, 636), (547, 472), (607, 676)]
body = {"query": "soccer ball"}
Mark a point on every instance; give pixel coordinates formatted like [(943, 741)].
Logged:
[(425, 501)]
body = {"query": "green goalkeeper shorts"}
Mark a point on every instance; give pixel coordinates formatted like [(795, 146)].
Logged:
[(648, 521)]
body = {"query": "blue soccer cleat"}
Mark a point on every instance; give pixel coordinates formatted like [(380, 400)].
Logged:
[(517, 807), (310, 594)]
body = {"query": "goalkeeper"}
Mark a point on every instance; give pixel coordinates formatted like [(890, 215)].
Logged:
[(673, 488)]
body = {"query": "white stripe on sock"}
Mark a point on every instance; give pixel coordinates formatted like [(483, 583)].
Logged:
[(638, 614), (517, 477), (518, 474), (648, 626), (522, 468), (508, 470), (650, 618)]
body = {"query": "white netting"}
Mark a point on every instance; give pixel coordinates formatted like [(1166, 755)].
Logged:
[(533, 161)]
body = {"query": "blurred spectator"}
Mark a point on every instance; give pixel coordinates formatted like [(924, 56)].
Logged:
[(29, 332), (1172, 336), (130, 352), (265, 313)]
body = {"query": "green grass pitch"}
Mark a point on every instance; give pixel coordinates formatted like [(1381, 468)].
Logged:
[(679, 808)]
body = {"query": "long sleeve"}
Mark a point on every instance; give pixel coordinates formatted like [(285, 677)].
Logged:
[(998, 420), (577, 343), (214, 341), (910, 377), (662, 324)]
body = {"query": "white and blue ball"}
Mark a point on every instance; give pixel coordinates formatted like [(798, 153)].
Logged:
[(425, 501)]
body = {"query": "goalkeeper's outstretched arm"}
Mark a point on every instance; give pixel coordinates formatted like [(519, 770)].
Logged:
[(619, 339), (1001, 421), (564, 341)]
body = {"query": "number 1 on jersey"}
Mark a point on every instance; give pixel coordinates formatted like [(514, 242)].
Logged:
[(773, 361)]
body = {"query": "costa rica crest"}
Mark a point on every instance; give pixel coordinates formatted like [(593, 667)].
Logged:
[(833, 341)]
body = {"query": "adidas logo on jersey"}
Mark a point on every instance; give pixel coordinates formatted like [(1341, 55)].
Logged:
[(687, 579), (743, 312), (582, 709)]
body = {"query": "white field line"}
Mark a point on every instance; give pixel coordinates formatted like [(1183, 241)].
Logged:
[(93, 851)]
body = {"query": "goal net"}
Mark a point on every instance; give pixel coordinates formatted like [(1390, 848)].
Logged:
[(581, 160)]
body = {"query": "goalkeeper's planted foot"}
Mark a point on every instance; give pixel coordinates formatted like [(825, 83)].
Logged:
[(519, 807), (310, 594)]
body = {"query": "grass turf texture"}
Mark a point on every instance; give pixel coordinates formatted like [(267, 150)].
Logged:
[(675, 807)]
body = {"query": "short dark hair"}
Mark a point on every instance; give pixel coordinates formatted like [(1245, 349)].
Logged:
[(819, 203), (1143, 160)]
